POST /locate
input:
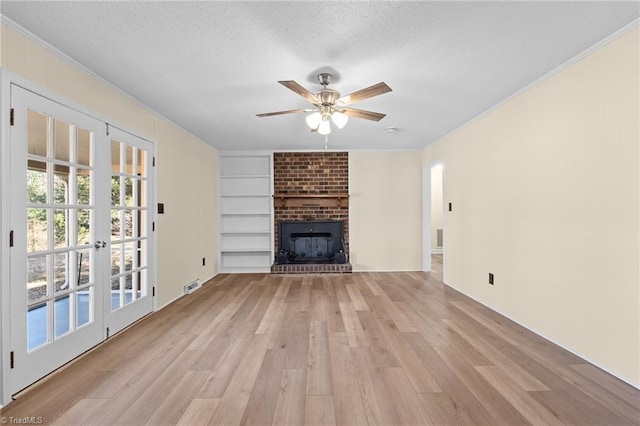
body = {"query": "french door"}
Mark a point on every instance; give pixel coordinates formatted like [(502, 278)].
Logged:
[(80, 230)]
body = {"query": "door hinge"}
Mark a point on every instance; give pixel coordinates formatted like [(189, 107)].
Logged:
[(11, 238), (107, 128), (11, 359), (107, 332), (153, 226), (154, 161), (12, 117), (153, 292)]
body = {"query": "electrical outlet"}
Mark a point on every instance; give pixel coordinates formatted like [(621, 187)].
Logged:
[(203, 261), (490, 278)]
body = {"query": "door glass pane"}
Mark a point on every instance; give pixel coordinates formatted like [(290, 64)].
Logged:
[(115, 293), (115, 224), (128, 159), (83, 306), (128, 256), (60, 227), (37, 325), (115, 156), (37, 134), (62, 140), (83, 185), (128, 192), (142, 194), (128, 223), (115, 190), (83, 226), (61, 184), (128, 292), (62, 315), (61, 272), (37, 233), (37, 182), (83, 151), (142, 158), (36, 278), (115, 259), (83, 267)]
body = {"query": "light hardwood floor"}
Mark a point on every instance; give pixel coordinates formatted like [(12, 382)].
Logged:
[(353, 349)]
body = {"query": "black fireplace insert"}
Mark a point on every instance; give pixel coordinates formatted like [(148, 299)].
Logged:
[(311, 242)]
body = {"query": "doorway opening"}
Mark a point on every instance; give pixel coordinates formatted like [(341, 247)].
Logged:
[(433, 215)]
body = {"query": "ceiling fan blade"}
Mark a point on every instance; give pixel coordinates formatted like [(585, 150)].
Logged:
[(360, 113), (366, 93), (292, 85), (291, 111)]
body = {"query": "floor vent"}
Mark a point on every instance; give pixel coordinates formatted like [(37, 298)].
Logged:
[(190, 288)]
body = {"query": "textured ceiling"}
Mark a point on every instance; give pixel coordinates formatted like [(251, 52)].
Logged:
[(211, 66)]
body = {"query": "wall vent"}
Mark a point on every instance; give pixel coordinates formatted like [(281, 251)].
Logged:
[(190, 288)]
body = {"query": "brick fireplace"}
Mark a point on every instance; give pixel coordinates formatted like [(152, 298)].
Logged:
[(311, 186)]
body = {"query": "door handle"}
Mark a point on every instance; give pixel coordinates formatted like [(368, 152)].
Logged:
[(100, 244)]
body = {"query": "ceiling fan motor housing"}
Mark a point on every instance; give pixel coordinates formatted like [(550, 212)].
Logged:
[(328, 97)]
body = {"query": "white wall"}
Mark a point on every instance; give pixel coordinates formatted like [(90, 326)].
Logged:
[(385, 210), (545, 193), (186, 166)]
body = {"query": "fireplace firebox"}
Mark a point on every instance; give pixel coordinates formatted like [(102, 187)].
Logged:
[(310, 242)]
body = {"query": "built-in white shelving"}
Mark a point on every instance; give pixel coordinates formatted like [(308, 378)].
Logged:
[(246, 212)]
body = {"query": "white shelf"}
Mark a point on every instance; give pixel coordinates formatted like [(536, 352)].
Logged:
[(246, 212)]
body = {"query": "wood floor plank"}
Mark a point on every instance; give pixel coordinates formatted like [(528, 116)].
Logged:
[(319, 361), (352, 326), (407, 404), (420, 378), (305, 295), (269, 321), (290, 405), (382, 354), (349, 409), (204, 339), (232, 405), (141, 409), (358, 301), (531, 409), (198, 412), (513, 370), (80, 412), (262, 402), (173, 407), (319, 411), (490, 398), (375, 395), (363, 348), (219, 377)]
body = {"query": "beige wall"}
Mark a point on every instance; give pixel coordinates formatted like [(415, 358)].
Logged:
[(385, 210), (186, 166), (545, 195)]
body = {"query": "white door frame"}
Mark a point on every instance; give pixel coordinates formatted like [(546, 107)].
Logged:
[(8, 78)]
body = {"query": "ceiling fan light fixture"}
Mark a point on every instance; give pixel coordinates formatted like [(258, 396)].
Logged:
[(339, 119), (325, 127), (313, 120)]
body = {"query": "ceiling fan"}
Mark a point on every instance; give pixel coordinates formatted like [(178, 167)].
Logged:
[(329, 104)]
